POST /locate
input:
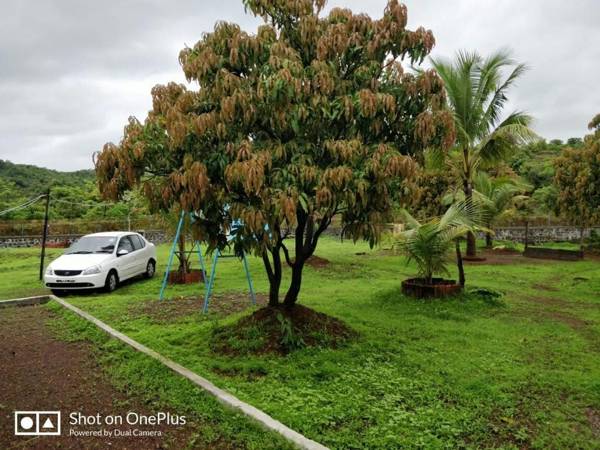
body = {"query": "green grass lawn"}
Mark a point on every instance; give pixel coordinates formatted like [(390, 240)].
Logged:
[(520, 372)]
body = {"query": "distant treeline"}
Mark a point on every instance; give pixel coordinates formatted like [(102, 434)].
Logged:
[(74, 195)]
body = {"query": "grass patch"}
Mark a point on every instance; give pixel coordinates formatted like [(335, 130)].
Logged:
[(161, 389), (477, 370)]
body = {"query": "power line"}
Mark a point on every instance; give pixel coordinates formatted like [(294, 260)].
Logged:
[(22, 206), (83, 203), (53, 199), (56, 200)]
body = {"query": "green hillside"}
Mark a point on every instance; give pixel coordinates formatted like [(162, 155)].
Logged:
[(73, 194), (31, 180)]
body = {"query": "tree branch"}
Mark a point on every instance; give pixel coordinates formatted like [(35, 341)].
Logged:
[(267, 263), (301, 217), (286, 252), (310, 227), (323, 224)]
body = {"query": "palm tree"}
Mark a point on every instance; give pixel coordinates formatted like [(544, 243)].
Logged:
[(429, 244), (477, 93), (495, 195)]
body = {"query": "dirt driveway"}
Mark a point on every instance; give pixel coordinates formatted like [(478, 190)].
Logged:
[(41, 373)]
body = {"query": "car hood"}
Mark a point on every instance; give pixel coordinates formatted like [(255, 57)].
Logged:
[(79, 262)]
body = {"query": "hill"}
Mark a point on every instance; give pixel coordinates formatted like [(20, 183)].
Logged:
[(73, 194), (30, 181)]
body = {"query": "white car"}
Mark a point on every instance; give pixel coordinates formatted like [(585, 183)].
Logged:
[(102, 260)]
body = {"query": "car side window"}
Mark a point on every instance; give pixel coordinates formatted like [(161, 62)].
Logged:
[(138, 242), (125, 244)]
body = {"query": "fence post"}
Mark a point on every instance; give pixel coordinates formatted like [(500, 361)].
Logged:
[(44, 234)]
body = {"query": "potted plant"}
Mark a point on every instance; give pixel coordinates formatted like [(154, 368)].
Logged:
[(429, 245)]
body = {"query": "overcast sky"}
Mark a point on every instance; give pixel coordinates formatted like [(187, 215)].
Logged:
[(72, 71)]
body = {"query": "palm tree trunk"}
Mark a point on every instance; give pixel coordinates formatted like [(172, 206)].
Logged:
[(489, 242), (468, 190), (459, 263)]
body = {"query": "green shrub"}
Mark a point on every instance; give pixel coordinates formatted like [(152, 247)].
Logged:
[(289, 339)]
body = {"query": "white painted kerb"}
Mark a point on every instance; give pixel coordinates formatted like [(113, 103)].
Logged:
[(222, 396)]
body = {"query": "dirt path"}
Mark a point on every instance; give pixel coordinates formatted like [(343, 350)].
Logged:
[(39, 372)]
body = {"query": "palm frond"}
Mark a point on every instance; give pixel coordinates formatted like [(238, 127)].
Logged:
[(409, 220), (434, 158), (498, 101), (430, 244), (501, 142), (477, 93), (460, 80)]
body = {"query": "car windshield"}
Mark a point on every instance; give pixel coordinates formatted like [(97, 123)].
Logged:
[(92, 244)]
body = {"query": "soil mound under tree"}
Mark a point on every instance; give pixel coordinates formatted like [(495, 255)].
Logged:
[(280, 330)]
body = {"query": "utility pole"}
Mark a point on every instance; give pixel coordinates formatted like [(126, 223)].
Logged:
[(44, 234)]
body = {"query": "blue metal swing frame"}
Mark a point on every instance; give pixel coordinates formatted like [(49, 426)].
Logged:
[(211, 282)]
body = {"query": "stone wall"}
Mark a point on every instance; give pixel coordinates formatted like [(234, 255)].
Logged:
[(64, 240), (538, 235)]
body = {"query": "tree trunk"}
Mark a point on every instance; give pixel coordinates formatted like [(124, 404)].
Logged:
[(305, 242), (274, 292), (291, 295), (471, 245), (489, 242), (181, 255), (274, 275), (581, 233), (459, 263), (468, 190)]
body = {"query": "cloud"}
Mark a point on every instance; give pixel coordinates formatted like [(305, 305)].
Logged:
[(72, 71)]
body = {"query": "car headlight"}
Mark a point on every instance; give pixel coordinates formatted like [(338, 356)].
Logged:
[(49, 271), (91, 270)]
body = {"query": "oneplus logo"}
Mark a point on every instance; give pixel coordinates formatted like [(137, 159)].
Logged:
[(37, 423)]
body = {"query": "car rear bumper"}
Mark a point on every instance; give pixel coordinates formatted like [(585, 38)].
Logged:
[(76, 282)]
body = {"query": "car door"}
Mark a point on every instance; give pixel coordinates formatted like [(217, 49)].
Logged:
[(139, 254), (126, 263)]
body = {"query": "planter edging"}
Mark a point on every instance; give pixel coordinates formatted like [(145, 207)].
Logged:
[(414, 287)]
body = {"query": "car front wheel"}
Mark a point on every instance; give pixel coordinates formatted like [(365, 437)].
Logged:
[(112, 281), (150, 269)]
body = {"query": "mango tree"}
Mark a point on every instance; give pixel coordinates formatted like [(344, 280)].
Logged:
[(311, 117), (577, 180)]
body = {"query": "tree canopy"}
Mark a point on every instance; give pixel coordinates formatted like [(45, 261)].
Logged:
[(577, 179), (310, 117)]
